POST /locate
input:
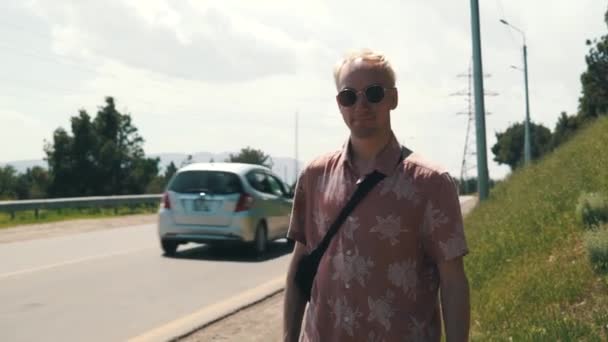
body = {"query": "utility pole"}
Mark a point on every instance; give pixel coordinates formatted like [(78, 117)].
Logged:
[(482, 155), (527, 138), (527, 145)]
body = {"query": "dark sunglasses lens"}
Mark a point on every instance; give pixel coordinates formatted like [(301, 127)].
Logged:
[(374, 94), (347, 98)]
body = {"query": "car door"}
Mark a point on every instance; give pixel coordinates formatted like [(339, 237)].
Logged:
[(282, 205), (266, 200)]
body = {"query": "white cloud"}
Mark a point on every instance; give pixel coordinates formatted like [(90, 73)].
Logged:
[(217, 76), (16, 128)]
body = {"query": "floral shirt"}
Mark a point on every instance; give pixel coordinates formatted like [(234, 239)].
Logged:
[(378, 280)]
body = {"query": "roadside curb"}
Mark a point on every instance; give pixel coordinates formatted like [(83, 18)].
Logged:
[(183, 327)]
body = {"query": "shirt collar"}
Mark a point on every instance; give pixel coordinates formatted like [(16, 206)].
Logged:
[(386, 160)]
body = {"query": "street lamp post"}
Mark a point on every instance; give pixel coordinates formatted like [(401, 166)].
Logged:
[(527, 145), (480, 111)]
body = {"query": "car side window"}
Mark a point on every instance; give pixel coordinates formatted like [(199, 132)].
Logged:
[(257, 181), (275, 186)]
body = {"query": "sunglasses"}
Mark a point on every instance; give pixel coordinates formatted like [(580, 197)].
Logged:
[(374, 94)]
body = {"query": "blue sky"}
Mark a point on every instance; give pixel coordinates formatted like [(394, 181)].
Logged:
[(218, 76)]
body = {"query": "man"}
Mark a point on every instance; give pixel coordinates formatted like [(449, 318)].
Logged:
[(381, 276)]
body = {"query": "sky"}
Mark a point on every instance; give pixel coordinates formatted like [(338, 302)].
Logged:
[(217, 76)]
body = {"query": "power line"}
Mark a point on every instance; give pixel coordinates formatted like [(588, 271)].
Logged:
[(469, 153)]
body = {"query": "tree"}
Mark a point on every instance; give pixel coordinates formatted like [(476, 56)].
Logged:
[(33, 183), (8, 182), (170, 171), (159, 183), (60, 164), (187, 161), (83, 161), (469, 186), (594, 101), (566, 127), (594, 81), (103, 156), (509, 145), (249, 155)]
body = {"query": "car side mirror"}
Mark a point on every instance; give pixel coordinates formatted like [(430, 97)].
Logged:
[(289, 193)]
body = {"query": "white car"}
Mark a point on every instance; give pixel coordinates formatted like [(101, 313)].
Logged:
[(224, 202)]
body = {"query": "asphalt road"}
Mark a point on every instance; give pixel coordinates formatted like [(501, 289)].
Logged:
[(115, 284), (112, 285)]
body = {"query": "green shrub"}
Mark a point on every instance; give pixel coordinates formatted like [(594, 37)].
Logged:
[(592, 209), (596, 242)]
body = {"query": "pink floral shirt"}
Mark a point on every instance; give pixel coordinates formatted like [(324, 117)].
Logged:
[(378, 280)]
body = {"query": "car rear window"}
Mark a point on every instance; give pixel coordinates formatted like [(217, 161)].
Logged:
[(214, 182)]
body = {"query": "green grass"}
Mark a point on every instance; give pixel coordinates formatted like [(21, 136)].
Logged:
[(592, 209), (530, 275), (596, 242), (45, 216)]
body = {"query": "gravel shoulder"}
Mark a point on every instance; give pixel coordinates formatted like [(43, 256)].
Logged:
[(261, 322)]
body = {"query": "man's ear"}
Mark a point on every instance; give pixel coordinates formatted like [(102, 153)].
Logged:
[(394, 99)]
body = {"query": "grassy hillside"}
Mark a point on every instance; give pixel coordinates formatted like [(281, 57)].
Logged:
[(528, 268)]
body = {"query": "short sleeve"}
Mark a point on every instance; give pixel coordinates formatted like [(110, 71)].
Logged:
[(297, 222), (443, 230)]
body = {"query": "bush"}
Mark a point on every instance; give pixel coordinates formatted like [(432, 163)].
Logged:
[(596, 242), (592, 209)]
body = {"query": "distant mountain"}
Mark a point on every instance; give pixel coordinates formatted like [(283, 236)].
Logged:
[(282, 166), (22, 165)]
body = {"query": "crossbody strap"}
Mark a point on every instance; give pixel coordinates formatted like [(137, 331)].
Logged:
[(363, 189)]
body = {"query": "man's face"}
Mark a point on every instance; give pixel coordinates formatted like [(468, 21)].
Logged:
[(365, 119)]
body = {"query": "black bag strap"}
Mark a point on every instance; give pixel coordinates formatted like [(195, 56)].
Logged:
[(363, 189)]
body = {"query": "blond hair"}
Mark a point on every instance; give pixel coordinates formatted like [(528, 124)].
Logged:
[(366, 55)]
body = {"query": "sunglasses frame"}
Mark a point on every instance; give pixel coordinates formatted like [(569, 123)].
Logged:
[(358, 93)]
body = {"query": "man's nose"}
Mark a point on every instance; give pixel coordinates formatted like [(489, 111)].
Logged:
[(361, 102)]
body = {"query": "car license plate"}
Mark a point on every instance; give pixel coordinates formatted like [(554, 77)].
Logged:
[(202, 205)]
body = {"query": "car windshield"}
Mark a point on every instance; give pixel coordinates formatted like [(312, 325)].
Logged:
[(214, 182)]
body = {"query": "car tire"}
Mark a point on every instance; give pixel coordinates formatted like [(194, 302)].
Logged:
[(260, 242), (291, 244), (169, 247)]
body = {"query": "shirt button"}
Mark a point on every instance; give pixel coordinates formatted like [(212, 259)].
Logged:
[(348, 252), (347, 286)]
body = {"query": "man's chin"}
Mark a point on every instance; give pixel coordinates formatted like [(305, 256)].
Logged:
[(364, 133)]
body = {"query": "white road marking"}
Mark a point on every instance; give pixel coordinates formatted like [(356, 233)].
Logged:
[(70, 262)]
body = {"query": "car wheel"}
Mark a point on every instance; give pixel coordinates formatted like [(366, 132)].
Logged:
[(260, 244), (290, 244), (169, 247)]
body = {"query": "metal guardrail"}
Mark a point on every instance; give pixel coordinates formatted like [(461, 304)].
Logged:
[(77, 202)]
